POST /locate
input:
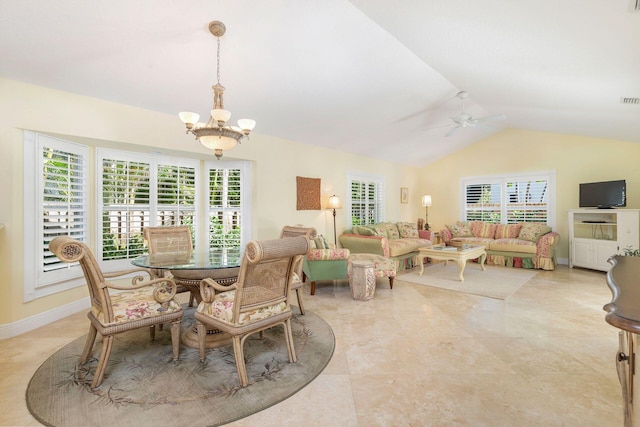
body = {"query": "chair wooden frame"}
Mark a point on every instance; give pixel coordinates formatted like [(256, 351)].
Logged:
[(163, 291), (260, 297), (171, 241)]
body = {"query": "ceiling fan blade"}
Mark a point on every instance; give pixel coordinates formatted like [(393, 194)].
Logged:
[(490, 118), (452, 131), (440, 126)]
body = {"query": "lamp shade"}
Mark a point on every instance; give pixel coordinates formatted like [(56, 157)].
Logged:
[(247, 124), (426, 200), (189, 117), (220, 115), (334, 202)]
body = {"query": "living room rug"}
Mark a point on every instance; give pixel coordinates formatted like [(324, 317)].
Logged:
[(496, 282), (142, 386)]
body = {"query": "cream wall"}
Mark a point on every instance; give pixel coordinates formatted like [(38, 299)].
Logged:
[(574, 159), (276, 164)]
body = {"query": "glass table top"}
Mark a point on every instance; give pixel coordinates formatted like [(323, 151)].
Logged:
[(198, 260)]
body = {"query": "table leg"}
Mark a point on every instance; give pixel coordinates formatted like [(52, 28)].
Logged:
[(461, 264), (421, 265), (483, 262)]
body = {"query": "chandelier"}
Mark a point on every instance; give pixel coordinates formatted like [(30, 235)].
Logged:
[(217, 134)]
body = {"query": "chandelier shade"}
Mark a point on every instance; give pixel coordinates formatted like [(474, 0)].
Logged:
[(217, 134)]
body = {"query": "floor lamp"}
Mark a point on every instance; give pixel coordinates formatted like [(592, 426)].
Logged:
[(334, 203), (426, 202)]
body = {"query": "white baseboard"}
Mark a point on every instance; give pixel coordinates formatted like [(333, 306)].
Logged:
[(41, 319)]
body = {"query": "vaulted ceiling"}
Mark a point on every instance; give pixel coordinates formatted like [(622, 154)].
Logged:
[(373, 77)]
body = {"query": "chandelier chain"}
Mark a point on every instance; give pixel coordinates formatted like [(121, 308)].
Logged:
[(218, 60)]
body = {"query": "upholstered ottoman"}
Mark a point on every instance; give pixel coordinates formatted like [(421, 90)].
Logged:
[(382, 267)]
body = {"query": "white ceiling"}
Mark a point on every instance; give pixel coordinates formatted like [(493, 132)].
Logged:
[(365, 76)]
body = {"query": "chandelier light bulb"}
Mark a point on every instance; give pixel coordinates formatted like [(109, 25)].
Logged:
[(189, 118), (221, 116), (246, 125)]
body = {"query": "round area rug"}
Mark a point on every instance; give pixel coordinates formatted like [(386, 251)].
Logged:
[(143, 387)]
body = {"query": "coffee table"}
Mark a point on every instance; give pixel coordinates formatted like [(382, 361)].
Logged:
[(450, 253)]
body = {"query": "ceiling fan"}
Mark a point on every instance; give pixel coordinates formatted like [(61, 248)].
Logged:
[(465, 120)]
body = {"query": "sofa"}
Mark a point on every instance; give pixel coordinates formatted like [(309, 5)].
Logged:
[(398, 241), (525, 245)]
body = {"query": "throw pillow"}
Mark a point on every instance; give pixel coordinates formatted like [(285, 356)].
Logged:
[(387, 229), (321, 242), (460, 229), (392, 231), (408, 229), (364, 230), (532, 231), (483, 229), (508, 231)]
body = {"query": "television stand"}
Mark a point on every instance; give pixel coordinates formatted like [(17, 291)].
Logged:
[(597, 234)]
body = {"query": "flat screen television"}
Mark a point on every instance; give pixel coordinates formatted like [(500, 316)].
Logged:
[(603, 195)]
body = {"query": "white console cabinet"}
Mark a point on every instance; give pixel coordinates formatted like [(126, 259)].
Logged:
[(596, 234)]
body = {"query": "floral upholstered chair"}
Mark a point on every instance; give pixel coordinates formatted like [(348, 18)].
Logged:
[(325, 262), (120, 308), (259, 299)]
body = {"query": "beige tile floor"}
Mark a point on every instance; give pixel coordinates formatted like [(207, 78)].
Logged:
[(420, 356)]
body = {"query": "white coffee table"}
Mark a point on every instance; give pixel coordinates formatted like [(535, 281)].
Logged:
[(450, 253)]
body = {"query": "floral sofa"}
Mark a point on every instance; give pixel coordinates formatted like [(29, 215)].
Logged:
[(398, 241), (526, 245)]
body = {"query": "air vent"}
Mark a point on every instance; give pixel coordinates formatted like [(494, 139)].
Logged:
[(624, 100)]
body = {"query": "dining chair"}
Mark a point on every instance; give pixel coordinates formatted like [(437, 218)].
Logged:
[(170, 241), (117, 308), (259, 299)]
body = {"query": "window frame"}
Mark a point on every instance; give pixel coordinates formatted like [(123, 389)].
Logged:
[(37, 282), (379, 200), (503, 180), (245, 197), (154, 161)]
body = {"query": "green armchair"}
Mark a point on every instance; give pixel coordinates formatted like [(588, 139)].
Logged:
[(323, 261), (325, 264)]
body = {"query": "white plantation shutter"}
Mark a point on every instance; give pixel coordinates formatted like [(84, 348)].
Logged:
[(526, 200), (56, 203), (483, 201), (64, 200), (510, 199), (225, 207), (125, 210), (137, 191), (366, 199), (176, 196)]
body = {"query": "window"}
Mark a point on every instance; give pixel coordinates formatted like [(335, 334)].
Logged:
[(56, 198), (224, 208), (125, 207), (132, 191), (510, 199), (366, 199), (142, 190)]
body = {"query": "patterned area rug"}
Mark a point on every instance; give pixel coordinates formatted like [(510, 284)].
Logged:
[(495, 282), (142, 386)]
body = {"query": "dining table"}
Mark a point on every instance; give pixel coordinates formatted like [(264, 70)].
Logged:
[(188, 270)]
